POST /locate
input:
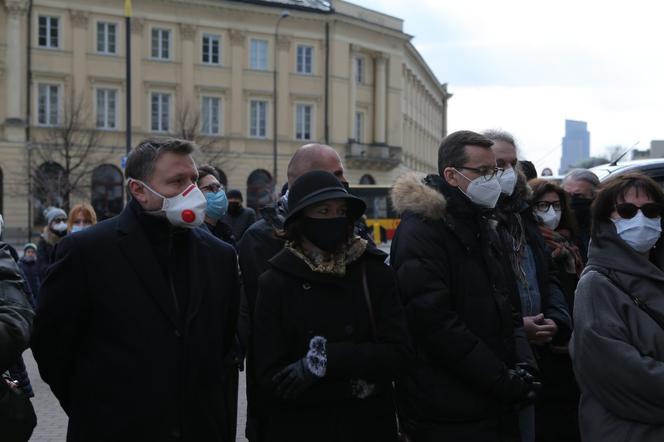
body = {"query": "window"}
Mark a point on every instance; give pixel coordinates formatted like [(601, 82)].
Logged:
[(160, 110), (359, 127), (303, 121), (211, 49), (258, 55), (48, 103), (161, 44), (211, 116), (50, 188), (106, 38), (367, 179), (107, 195), (305, 55), (106, 108), (49, 31), (359, 70), (258, 119)]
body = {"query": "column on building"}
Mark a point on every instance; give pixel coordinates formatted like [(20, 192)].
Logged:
[(188, 100), (380, 98), (352, 89), (138, 98), (79, 31), (238, 40), (14, 62), (283, 90)]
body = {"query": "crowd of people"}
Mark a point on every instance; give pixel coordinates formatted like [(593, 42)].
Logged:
[(510, 308)]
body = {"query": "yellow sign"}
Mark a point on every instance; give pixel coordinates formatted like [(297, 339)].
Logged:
[(127, 8)]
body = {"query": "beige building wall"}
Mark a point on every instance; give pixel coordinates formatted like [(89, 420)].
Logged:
[(401, 103)]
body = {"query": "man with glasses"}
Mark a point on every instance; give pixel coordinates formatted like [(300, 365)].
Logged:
[(541, 301), (464, 383), (217, 204)]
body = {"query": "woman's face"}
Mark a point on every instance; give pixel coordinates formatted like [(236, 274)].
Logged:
[(81, 220), (546, 201), (634, 197), (327, 209)]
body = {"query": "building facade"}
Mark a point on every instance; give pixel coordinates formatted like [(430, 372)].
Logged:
[(576, 144), (204, 70)]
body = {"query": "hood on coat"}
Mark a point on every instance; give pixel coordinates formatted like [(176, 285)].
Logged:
[(411, 194)]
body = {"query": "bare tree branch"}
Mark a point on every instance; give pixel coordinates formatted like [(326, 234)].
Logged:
[(188, 126)]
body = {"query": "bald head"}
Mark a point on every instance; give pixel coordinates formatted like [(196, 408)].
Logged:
[(315, 157)]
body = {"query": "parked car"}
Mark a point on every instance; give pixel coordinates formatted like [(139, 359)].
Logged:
[(653, 167)]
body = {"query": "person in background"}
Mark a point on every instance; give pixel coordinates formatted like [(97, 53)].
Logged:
[(81, 216), (581, 185), (138, 314), (330, 334), (55, 230), (556, 413), (238, 217), (528, 169), (618, 343), (217, 204), (30, 269), (467, 382)]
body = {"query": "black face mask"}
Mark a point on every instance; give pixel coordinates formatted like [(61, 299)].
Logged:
[(327, 234), (581, 208), (234, 208)]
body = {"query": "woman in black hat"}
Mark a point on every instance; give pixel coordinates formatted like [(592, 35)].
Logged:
[(330, 332)]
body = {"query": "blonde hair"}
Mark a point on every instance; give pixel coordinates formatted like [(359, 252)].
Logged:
[(88, 212)]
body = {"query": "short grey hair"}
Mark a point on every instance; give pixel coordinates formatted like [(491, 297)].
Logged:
[(582, 175), (141, 160), (500, 135)]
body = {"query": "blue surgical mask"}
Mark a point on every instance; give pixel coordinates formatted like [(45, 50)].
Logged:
[(75, 228), (217, 204)]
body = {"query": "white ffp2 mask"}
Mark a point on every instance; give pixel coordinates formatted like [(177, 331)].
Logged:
[(184, 210), (508, 181), (483, 192)]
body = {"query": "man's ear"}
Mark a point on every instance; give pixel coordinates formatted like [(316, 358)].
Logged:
[(450, 175), (138, 191)]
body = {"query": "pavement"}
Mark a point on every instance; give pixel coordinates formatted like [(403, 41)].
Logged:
[(52, 421)]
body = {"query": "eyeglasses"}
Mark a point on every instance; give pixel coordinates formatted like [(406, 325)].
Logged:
[(487, 172), (543, 206), (629, 210), (212, 187)]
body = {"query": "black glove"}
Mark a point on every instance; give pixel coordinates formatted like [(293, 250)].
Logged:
[(300, 375), (294, 379), (513, 388)]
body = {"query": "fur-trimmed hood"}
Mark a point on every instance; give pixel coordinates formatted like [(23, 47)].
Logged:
[(410, 193)]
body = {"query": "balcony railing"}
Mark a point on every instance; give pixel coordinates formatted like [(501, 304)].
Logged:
[(372, 156)]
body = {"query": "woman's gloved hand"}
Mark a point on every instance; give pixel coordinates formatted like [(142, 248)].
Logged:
[(297, 377)]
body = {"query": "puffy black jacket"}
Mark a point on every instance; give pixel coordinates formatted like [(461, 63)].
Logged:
[(15, 312), (465, 330)]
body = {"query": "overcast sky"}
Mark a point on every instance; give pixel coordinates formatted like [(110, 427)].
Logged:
[(526, 66)]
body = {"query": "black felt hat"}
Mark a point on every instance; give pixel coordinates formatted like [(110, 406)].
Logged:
[(317, 186)]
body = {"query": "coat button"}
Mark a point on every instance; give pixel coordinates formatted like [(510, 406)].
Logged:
[(306, 286), (348, 329)]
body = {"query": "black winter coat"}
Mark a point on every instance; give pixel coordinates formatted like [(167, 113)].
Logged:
[(241, 222), (31, 274), (465, 330), (111, 339), (294, 305), (16, 314)]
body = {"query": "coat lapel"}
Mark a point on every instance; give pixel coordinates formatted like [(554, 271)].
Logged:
[(137, 250)]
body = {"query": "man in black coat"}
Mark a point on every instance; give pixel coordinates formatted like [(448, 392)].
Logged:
[(138, 313), (468, 338), (238, 217)]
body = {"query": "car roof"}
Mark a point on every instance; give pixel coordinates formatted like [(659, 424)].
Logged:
[(648, 166)]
